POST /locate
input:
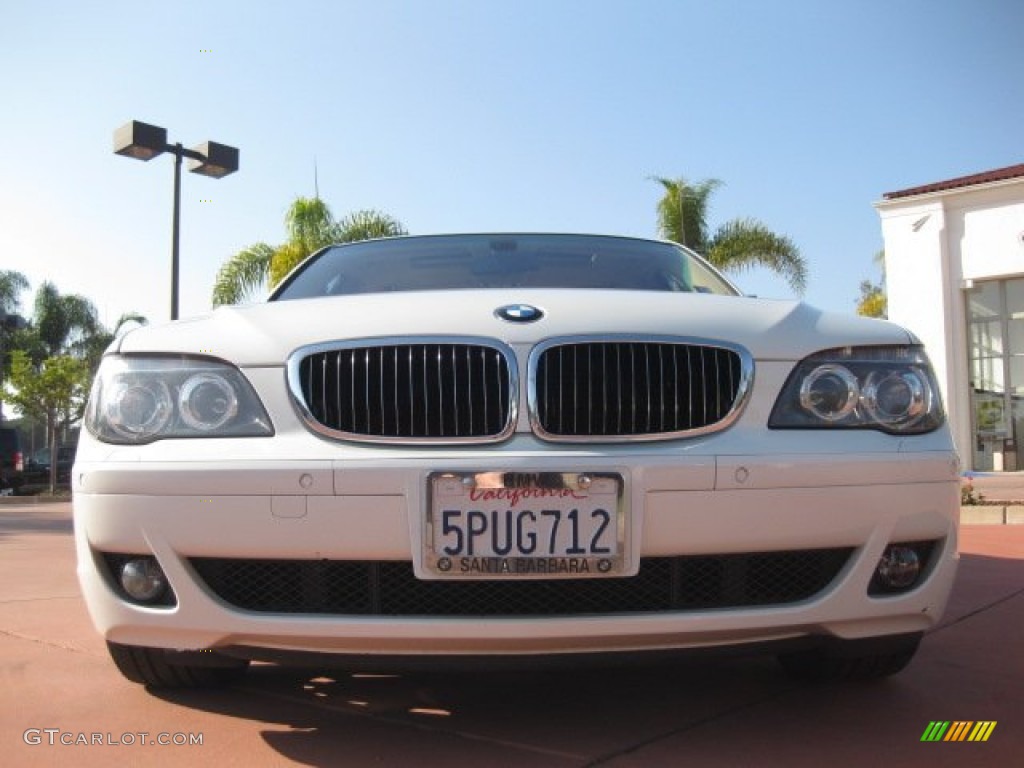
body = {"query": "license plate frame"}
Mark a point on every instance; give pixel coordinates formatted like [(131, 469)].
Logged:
[(551, 525)]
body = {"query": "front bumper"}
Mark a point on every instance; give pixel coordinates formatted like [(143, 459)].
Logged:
[(371, 511)]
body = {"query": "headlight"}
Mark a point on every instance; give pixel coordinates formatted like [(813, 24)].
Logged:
[(137, 400), (891, 389)]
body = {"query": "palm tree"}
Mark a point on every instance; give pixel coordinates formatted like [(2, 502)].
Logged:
[(736, 245), (96, 344), (310, 227), (68, 325), (873, 301), (59, 351), (63, 324), (11, 285)]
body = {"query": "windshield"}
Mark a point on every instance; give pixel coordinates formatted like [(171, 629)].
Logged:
[(454, 262)]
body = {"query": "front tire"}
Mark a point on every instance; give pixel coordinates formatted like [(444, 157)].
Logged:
[(150, 667), (850, 662)]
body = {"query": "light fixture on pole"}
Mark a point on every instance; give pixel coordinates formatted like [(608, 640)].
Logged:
[(143, 141)]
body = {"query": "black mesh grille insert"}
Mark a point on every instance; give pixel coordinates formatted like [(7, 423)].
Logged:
[(391, 589), (613, 388), (418, 390)]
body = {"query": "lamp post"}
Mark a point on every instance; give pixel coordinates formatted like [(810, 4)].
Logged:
[(143, 141)]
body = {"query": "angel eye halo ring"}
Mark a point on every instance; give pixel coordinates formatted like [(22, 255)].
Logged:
[(207, 401)]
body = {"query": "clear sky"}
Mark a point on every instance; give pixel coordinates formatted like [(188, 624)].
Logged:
[(482, 116)]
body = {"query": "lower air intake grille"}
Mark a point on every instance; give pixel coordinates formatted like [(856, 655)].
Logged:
[(387, 588)]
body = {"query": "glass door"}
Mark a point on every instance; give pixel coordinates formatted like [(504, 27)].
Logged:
[(995, 321)]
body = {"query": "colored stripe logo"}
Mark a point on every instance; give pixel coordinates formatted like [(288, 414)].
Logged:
[(958, 730)]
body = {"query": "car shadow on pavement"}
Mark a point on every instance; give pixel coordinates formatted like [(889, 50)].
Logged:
[(740, 710), (550, 717)]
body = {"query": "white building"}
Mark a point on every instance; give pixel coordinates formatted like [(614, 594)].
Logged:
[(954, 261)]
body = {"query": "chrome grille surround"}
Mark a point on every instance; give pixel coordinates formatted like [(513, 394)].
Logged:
[(450, 385), (660, 387)]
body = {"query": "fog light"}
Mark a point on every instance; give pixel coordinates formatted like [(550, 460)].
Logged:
[(143, 580), (898, 569)]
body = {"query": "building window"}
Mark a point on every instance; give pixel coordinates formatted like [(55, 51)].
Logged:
[(995, 322)]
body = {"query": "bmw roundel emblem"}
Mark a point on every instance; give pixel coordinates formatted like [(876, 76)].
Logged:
[(519, 313)]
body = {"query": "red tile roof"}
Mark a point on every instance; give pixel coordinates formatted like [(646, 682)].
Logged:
[(1000, 174)]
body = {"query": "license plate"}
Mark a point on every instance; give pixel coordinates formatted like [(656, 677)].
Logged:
[(514, 525)]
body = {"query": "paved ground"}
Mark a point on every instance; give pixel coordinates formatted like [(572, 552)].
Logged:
[(54, 674)]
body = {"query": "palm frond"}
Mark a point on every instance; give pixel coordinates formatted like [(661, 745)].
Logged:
[(310, 227), (92, 347), (127, 319), (242, 275), (12, 283), (745, 243), (310, 223), (62, 322), (367, 225), (682, 211), (879, 260), (81, 313), (285, 259)]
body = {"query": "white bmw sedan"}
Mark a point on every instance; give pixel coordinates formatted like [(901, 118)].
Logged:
[(513, 448)]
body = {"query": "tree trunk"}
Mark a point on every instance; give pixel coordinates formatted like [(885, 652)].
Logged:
[(51, 431)]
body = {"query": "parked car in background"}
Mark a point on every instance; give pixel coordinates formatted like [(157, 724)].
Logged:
[(37, 467), (514, 447), (12, 460)]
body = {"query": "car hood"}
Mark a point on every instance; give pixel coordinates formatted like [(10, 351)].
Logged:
[(266, 334)]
